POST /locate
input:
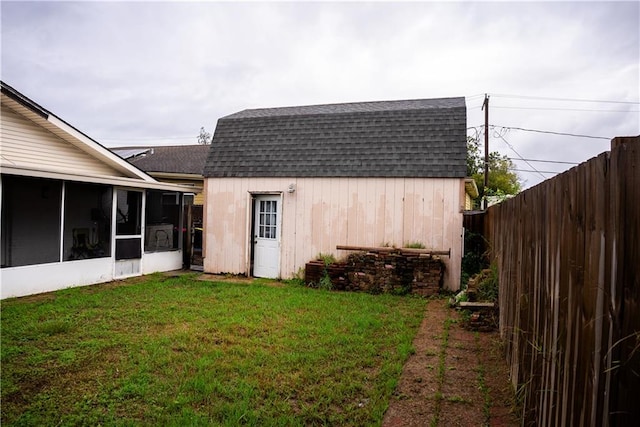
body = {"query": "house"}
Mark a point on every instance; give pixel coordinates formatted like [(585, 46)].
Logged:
[(74, 213), (470, 193), (283, 185), (179, 164)]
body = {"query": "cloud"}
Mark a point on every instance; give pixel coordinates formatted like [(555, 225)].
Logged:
[(124, 72)]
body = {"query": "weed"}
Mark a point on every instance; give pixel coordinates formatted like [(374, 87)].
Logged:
[(328, 259), (465, 316), (458, 399), (414, 245), (488, 285), (325, 282), (297, 279), (482, 386)]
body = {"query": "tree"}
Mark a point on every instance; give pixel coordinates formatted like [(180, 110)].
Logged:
[(204, 138), (503, 180)]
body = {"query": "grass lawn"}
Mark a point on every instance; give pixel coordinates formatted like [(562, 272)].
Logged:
[(180, 351)]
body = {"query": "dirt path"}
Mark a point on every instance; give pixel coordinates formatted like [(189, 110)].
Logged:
[(455, 378)]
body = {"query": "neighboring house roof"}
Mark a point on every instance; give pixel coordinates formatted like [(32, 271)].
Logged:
[(412, 138), (120, 172), (176, 159)]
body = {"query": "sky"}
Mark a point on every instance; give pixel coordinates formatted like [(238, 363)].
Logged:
[(153, 73)]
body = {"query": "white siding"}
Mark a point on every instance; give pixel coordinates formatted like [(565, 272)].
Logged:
[(325, 212), (35, 279), (28, 145)]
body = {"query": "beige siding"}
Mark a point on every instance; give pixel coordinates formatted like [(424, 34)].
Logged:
[(325, 212), (28, 145), (468, 202), (198, 198)]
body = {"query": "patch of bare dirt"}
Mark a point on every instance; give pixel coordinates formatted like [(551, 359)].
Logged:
[(442, 383), (208, 277)]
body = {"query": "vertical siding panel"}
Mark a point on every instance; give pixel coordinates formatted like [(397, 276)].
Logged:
[(316, 216), (371, 212), (361, 216), (303, 237), (453, 229), (302, 189), (332, 220), (419, 216), (409, 201), (364, 216), (380, 208), (398, 213), (438, 213), (429, 239), (389, 209), (236, 258), (343, 200), (351, 212), (288, 237)]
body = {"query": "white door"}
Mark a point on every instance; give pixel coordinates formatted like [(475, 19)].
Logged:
[(266, 237)]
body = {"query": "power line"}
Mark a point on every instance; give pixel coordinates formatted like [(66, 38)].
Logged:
[(499, 135), (536, 171), (553, 133), (150, 138), (568, 109), (545, 161), (565, 99)]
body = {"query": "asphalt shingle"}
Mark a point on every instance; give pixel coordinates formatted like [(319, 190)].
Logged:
[(413, 138), (169, 159)]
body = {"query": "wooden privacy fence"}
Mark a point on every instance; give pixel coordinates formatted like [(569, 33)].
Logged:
[(568, 256)]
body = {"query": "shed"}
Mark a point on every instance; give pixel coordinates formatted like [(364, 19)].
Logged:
[(283, 185)]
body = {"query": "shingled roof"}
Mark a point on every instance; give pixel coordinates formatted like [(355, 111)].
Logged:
[(413, 138), (186, 159)]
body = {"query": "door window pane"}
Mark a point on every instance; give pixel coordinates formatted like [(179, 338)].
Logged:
[(128, 213), (267, 219)]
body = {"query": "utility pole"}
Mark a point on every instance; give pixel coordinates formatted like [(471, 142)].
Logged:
[(485, 107)]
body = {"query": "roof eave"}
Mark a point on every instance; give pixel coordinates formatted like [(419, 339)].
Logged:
[(19, 103), (108, 180)]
